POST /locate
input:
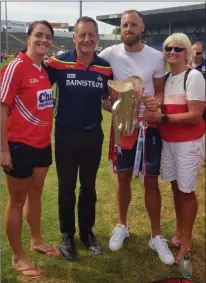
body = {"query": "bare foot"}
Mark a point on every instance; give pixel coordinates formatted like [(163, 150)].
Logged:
[(178, 236), (55, 253), (26, 267), (41, 247)]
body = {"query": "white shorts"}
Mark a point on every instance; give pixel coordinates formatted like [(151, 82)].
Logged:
[(181, 161)]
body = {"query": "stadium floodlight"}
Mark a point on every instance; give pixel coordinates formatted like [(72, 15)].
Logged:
[(81, 1), (71, 1), (7, 40), (102, 1)]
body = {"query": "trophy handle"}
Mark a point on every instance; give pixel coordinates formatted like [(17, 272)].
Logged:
[(117, 127)]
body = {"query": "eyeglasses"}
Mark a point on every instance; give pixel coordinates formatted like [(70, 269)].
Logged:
[(198, 53), (176, 49)]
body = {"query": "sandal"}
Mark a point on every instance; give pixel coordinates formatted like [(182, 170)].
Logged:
[(55, 253), (43, 249), (178, 259), (29, 272), (176, 242)]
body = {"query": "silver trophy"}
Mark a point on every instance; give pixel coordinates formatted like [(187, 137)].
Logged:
[(126, 95)]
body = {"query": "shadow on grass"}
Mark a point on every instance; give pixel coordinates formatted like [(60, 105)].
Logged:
[(9, 281), (135, 263)]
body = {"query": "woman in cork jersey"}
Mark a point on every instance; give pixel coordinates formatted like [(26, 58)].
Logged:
[(26, 124)]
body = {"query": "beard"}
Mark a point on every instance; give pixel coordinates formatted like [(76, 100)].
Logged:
[(132, 40)]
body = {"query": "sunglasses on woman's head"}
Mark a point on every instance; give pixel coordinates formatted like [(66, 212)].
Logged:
[(176, 49)]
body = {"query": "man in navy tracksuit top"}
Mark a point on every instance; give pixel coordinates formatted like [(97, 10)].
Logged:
[(199, 63), (81, 78)]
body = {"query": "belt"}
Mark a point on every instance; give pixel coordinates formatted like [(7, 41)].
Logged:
[(90, 127)]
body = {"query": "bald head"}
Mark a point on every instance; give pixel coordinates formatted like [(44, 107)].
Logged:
[(199, 44), (198, 50)]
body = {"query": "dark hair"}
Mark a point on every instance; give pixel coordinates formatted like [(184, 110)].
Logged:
[(132, 11), (16, 53), (33, 25), (200, 43), (45, 23), (24, 50), (85, 20)]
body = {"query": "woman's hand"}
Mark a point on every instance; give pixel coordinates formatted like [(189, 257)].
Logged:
[(151, 116), (6, 161)]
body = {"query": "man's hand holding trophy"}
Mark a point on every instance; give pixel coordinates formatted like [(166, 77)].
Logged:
[(127, 96)]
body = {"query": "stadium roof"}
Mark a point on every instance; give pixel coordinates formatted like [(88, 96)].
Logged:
[(179, 15)]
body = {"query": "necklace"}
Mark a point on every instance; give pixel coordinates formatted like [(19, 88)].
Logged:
[(173, 81)]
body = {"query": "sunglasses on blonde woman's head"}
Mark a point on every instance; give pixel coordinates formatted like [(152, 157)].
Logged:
[(176, 49)]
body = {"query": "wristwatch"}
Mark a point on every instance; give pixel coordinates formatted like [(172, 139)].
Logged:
[(165, 119)]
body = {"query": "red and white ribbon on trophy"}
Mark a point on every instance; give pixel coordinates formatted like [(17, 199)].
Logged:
[(140, 152)]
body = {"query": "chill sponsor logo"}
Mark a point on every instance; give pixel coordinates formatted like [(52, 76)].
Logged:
[(84, 83), (45, 99)]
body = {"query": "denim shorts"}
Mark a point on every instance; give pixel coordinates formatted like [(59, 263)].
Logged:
[(153, 148)]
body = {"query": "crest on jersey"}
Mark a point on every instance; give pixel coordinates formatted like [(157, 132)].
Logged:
[(33, 81), (99, 78)]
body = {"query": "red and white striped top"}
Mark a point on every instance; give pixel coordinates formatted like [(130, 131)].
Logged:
[(175, 101)]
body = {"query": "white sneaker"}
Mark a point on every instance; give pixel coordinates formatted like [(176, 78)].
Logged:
[(159, 244), (119, 234)]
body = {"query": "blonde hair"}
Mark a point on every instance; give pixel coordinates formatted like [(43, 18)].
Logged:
[(182, 40)]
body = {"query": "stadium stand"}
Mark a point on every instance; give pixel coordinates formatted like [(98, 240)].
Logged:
[(13, 43), (159, 24), (16, 41)]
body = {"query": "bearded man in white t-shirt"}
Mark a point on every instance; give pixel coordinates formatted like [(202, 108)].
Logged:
[(132, 58)]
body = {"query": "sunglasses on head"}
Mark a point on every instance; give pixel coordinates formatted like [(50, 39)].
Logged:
[(176, 49), (198, 53)]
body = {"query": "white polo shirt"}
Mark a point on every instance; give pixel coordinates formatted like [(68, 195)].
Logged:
[(146, 64)]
